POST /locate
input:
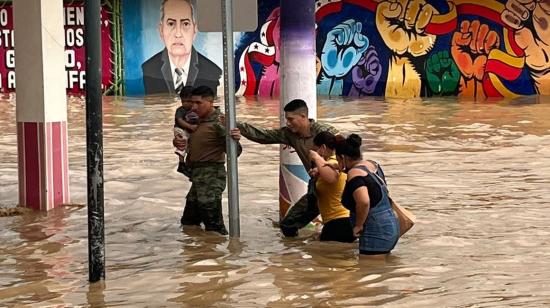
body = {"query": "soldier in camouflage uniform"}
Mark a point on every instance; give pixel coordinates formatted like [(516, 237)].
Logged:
[(298, 133), (206, 160)]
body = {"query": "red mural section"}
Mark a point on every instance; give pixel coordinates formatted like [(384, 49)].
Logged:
[(75, 60)]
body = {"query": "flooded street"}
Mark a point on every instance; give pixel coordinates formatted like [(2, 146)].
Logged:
[(477, 176)]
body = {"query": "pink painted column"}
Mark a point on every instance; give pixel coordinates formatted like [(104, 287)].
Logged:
[(41, 104)]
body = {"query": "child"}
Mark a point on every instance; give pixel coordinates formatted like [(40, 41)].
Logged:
[(184, 124)]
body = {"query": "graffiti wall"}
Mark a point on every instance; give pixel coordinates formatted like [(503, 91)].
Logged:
[(411, 48), (395, 48), (75, 64)]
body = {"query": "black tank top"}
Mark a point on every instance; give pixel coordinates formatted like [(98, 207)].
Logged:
[(375, 191)]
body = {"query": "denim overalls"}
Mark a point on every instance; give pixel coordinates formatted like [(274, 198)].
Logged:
[(381, 229)]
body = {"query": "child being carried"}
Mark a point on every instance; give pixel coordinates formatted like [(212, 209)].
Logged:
[(185, 123)]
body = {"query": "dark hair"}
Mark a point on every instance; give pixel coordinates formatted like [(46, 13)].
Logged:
[(350, 147), (297, 105), (325, 138), (204, 92), (186, 92)]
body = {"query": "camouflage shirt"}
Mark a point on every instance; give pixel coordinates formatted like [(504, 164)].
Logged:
[(283, 135), (207, 143)]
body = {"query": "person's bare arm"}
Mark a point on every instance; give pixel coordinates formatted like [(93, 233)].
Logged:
[(362, 203), (326, 171), (362, 206)]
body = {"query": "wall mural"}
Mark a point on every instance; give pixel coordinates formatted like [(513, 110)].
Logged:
[(395, 48), (412, 48), (75, 64)]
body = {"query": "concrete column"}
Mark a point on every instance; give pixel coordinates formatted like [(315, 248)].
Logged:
[(41, 103), (298, 73)]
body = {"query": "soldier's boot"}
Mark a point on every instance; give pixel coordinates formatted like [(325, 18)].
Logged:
[(289, 232), (298, 216), (213, 218), (191, 215)]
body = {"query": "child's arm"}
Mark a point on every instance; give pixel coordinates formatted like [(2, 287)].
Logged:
[(182, 123)]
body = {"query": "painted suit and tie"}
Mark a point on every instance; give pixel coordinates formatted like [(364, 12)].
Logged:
[(157, 74)]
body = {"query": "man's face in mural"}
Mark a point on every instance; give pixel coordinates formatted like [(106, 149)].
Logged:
[(177, 29)]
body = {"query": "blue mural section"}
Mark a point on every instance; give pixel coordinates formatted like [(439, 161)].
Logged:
[(133, 53), (142, 40)]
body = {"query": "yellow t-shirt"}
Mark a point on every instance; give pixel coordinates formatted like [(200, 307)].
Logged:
[(329, 196)]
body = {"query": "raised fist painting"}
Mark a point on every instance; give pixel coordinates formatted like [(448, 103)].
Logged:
[(470, 48), (402, 24), (343, 48), (366, 74), (531, 20), (442, 74)]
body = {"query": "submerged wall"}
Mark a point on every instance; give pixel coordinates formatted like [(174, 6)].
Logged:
[(75, 63), (395, 48), (411, 48)]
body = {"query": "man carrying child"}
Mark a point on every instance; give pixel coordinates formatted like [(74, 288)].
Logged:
[(206, 159)]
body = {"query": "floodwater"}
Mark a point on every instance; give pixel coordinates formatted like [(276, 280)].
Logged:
[(475, 174)]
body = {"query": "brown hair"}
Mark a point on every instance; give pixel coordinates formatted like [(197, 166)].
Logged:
[(326, 138)]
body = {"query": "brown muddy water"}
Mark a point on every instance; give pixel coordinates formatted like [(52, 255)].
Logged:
[(477, 175)]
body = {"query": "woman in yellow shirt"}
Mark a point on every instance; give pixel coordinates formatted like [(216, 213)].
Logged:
[(329, 186)]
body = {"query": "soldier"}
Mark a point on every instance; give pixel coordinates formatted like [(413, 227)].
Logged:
[(298, 133), (206, 159)]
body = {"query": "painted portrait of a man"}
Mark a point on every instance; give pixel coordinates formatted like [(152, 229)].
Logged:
[(178, 64)]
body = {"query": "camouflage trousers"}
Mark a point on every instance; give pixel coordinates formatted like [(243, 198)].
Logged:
[(204, 200), (298, 216)]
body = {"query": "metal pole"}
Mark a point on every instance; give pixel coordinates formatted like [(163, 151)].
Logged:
[(230, 122), (94, 140)]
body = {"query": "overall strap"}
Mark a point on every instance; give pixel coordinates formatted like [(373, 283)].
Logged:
[(383, 188), (361, 167), (379, 170), (374, 162), (376, 177)]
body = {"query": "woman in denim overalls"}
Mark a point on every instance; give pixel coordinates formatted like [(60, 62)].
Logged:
[(366, 196)]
